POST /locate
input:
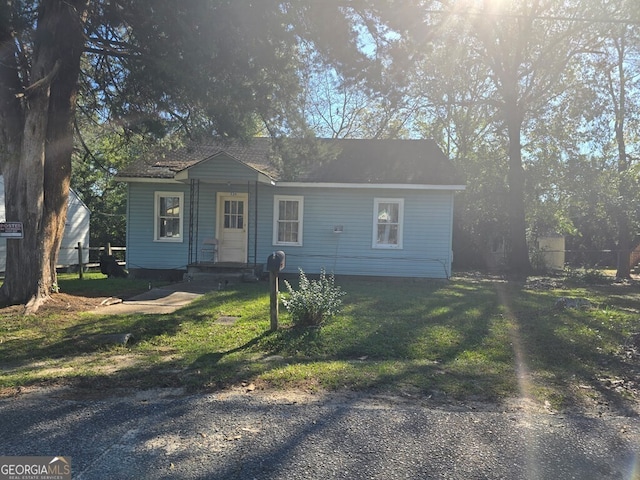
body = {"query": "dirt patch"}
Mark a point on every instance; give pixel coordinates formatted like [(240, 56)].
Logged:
[(64, 302), (59, 303)]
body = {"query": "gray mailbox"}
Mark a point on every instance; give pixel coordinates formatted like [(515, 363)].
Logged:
[(275, 262)]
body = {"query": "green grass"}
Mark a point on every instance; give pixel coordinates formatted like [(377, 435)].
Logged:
[(96, 284), (461, 339)]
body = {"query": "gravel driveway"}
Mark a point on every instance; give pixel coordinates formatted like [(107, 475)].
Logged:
[(238, 435)]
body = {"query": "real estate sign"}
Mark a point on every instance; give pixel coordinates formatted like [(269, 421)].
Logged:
[(10, 229)]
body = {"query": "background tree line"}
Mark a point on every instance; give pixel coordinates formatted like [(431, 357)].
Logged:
[(537, 104), (535, 101)]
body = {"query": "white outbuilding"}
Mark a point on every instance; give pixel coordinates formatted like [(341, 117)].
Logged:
[(76, 230)]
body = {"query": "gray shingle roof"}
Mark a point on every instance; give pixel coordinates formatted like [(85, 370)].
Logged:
[(387, 161), (165, 164), (357, 161)]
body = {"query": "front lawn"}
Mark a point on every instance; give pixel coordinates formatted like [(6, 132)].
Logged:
[(470, 338)]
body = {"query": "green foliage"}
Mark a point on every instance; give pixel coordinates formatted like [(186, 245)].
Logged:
[(314, 301), (101, 152), (589, 276), (537, 259)]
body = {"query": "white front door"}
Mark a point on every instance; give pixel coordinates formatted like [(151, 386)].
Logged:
[(232, 227)]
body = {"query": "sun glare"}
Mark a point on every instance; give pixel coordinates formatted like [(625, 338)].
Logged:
[(485, 8), (491, 6)]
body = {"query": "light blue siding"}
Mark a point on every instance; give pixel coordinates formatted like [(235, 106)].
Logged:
[(220, 173), (427, 230), (142, 249), (144, 252)]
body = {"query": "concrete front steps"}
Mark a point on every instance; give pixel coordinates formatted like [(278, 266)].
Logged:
[(221, 275)]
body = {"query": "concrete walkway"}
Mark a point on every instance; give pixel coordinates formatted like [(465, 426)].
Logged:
[(159, 300)]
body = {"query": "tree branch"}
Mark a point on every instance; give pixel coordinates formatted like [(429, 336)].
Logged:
[(108, 53), (42, 83)]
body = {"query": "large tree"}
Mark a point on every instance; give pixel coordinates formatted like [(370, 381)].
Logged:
[(39, 67), (211, 67), (462, 119), (527, 49), (621, 81), (586, 146), (516, 55)]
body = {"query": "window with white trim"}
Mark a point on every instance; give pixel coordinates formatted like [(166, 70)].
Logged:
[(388, 216), (169, 210), (287, 220)]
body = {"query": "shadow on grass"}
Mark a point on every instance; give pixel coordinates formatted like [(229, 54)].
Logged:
[(210, 359), (85, 334), (572, 353), (84, 337), (450, 340), (383, 341), (98, 285)]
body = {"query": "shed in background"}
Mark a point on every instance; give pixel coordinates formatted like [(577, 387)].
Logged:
[(76, 230), (552, 248)]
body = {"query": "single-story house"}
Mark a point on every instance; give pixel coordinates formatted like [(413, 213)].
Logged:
[(76, 229), (377, 208)]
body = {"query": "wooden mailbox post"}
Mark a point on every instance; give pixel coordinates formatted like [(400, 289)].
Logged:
[(275, 264)]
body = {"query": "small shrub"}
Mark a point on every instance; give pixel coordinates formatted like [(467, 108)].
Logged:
[(586, 277), (595, 277), (314, 301), (537, 259)]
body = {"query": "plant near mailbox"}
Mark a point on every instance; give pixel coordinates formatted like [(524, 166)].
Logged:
[(314, 301)]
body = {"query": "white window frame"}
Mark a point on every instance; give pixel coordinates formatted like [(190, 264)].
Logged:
[(276, 218), (376, 206), (156, 217)]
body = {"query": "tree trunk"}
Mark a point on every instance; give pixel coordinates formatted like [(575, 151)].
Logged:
[(517, 252), (37, 178), (625, 240), (624, 223), (623, 270), (624, 247)]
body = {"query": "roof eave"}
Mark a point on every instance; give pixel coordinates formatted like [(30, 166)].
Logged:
[(146, 179), (394, 186)]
